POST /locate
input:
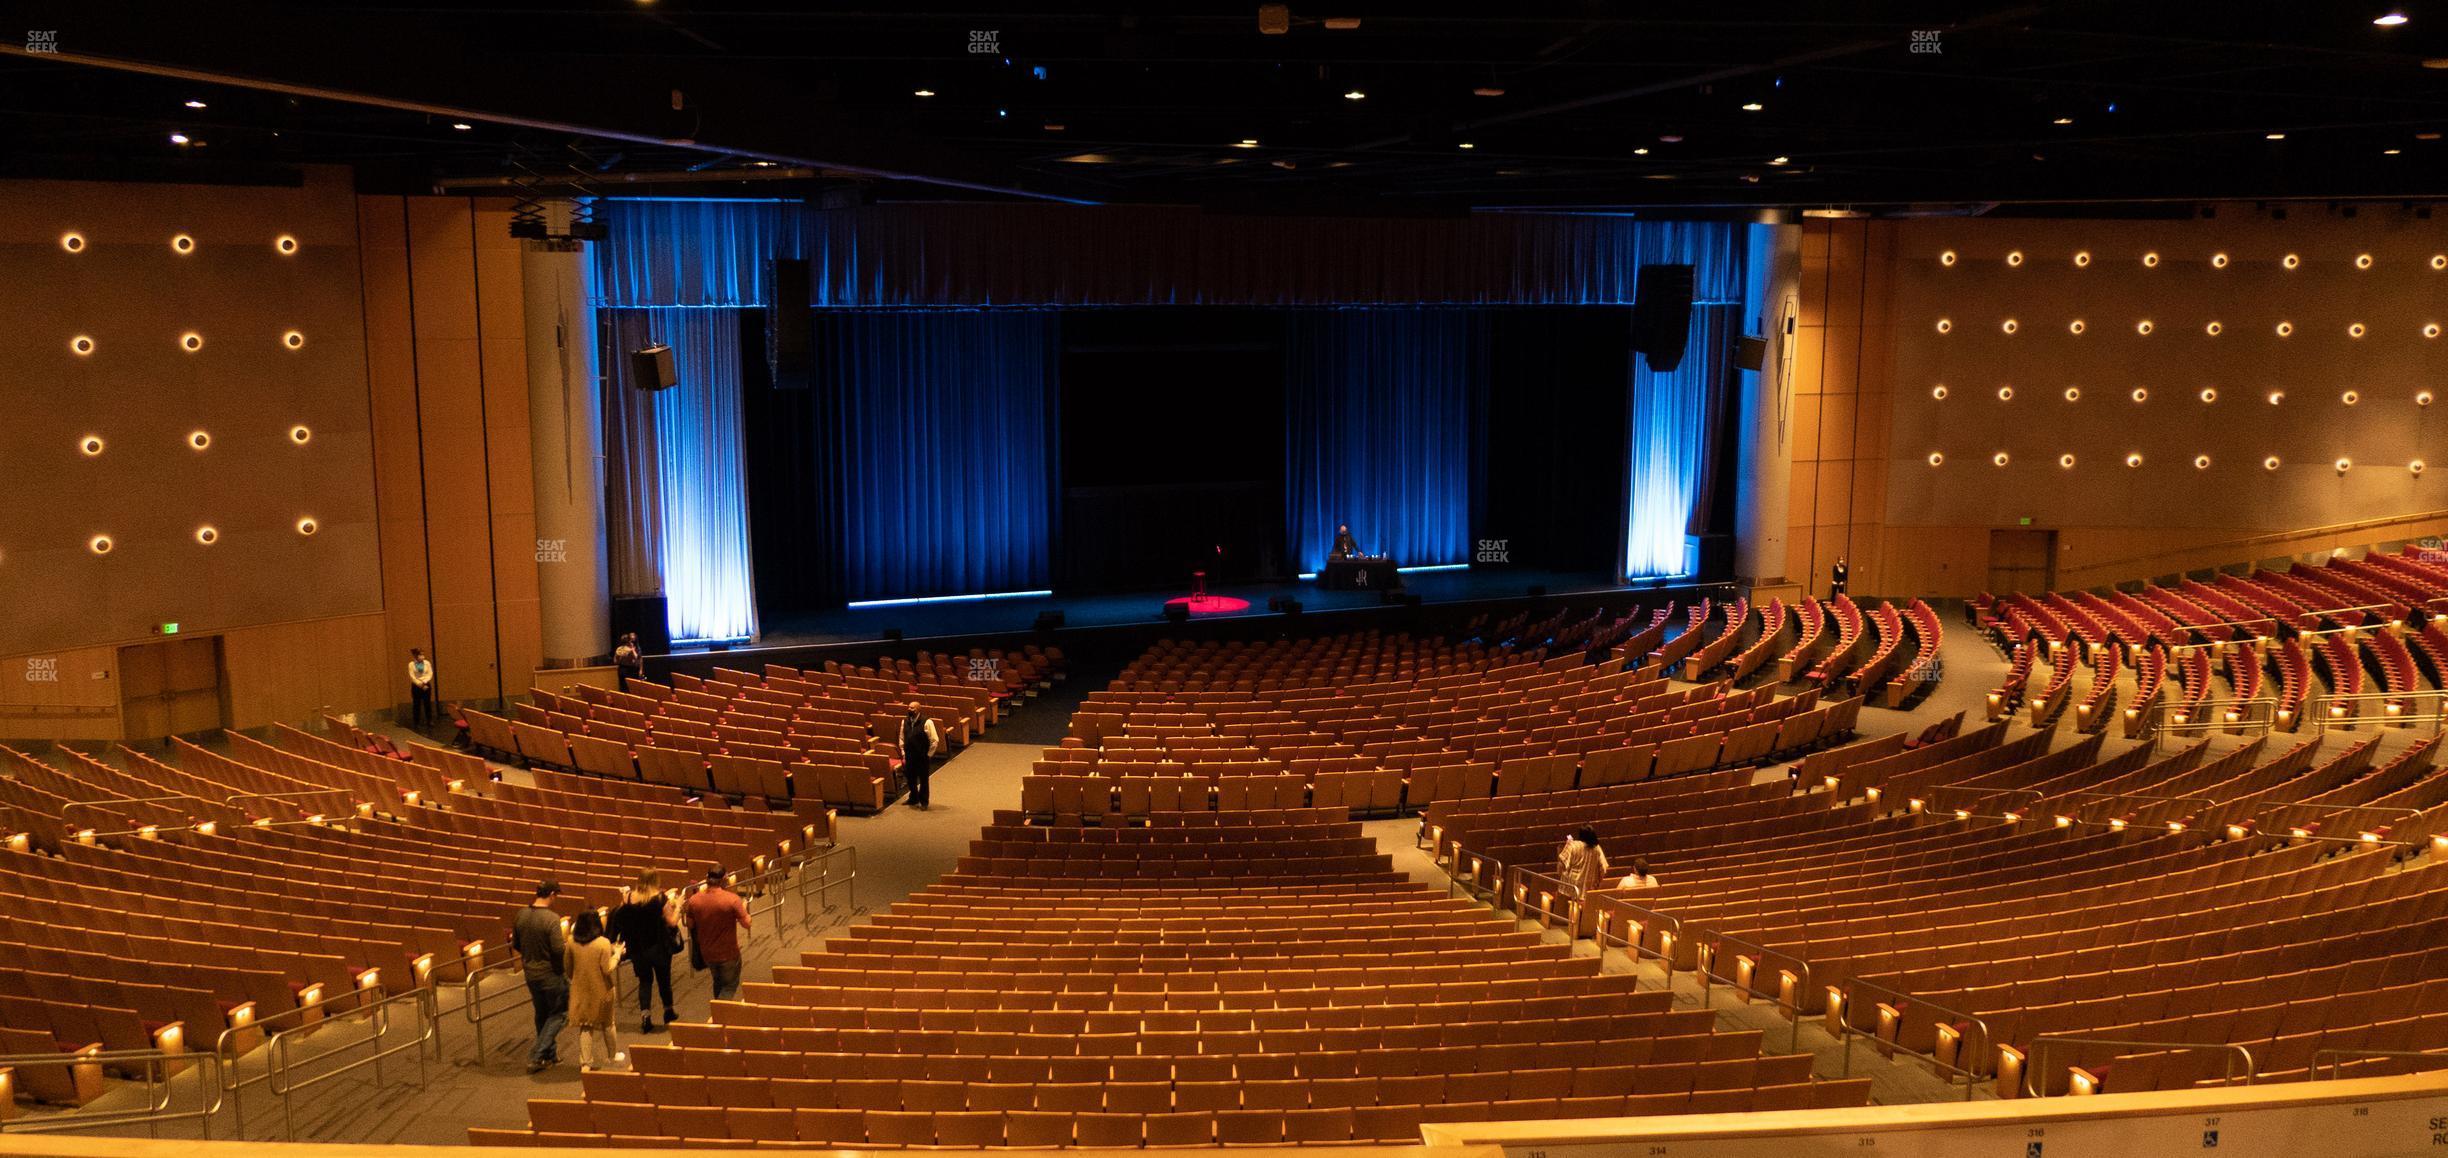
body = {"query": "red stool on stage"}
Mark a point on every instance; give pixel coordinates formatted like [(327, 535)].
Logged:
[(1198, 585)]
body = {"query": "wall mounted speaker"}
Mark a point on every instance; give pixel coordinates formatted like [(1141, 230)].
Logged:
[(1661, 314), (652, 368), (1750, 352)]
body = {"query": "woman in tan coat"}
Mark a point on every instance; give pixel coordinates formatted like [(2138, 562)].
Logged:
[(1582, 865), (590, 961)]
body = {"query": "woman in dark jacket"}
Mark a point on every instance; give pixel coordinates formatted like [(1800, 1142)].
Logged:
[(647, 924)]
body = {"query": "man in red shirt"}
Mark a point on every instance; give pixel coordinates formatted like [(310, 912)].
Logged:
[(715, 917)]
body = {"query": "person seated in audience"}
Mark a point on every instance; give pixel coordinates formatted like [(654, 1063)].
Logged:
[(591, 958), (536, 934), (1639, 878), (715, 917), (647, 927)]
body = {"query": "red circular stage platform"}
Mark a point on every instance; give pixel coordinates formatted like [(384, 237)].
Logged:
[(1208, 604)]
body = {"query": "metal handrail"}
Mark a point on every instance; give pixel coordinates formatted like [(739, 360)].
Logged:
[(233, 1087), (1971, 1076), (74, 804), (2262, 809), (1631, 943), (2337, 1056), (161, 1091), (1981, 798), (2041, 1044), (2209, 714), (1709, 941), (471, 992), (280, 1063), (2072, 808), (2315, 708), (813, 887), (342, 793)]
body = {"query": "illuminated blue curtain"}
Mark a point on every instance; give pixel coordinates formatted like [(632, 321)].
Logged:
[(680, 489), (1378, 435), (944, 462), (712, 254), (1669, 442)]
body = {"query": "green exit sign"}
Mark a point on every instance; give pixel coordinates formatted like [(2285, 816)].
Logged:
[(2024, 521), (169, 629)]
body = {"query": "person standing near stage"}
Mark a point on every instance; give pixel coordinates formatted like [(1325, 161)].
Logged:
[(628, 661), (919, 740), (420, 689), (1836, 578)]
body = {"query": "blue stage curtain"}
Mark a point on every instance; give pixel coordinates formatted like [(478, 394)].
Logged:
[(944, 463), (711, 254), (1669, 442), (679, 471), (1378, 433)]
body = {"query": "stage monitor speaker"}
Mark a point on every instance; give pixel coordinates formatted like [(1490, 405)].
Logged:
[(1177, 613), (1661, 314), (651, 368), (1048, 620), (645, 615), (1750, 352), (1291, 607), (790, 323)]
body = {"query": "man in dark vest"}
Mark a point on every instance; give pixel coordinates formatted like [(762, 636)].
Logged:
[(1344, 545), (918, 740)]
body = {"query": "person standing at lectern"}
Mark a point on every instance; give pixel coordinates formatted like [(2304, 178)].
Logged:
[(1344, 545), (1836, 579)]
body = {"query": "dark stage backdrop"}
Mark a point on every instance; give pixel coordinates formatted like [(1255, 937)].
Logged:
[(919, 462), (1551, 448), (1172, 447)]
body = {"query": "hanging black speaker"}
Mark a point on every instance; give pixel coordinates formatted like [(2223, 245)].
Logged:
[(1661, 314), (1750, 352), (651, 368), (789, 323)]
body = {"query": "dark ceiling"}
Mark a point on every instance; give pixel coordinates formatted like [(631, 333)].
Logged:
[(1485, 105)]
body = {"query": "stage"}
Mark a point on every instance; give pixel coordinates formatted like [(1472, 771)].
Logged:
[(960, 619)]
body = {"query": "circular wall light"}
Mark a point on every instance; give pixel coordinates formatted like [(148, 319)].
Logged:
[(2363, 261), (2276, 397), (2351, 397), (300, 435), (199, 439), (2014, 257), (1945, 326), (2144, 327), (2010, 325), (1946, 257), (2415, 467), (2431, 330), (2073, 393), (2082, 257), (285, 245), (2218, 261), (2141, 394), (2422, 398), (1937, 459), (2214, 329), (207, 536), (182, 244), (2075, 326), (2290, 261), (307, 526), (2201, 462), (2133, 460), (2065, 462), (2286, 329), (293, 339), (92, 445), (2344, 464), (2150, 261), (73, 242), (2005, 393), (1998, 459), (2270, 463), (100, 544), (81, 345), (2439, 261), (191, 341), (2209, 394), (1938, 392), (2355, 330)]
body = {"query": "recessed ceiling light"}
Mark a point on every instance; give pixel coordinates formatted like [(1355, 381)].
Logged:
[(1355, 95), (1487, 90), (2062, 121), (1753, 106), (2389, 20), (924, 92), (1779, 160), (2391, 152), (1466, 145), (195, 104), (1670, 138), (1247, 143), (178, 138), (2273, 136), (462, 126), (1643, 151)]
